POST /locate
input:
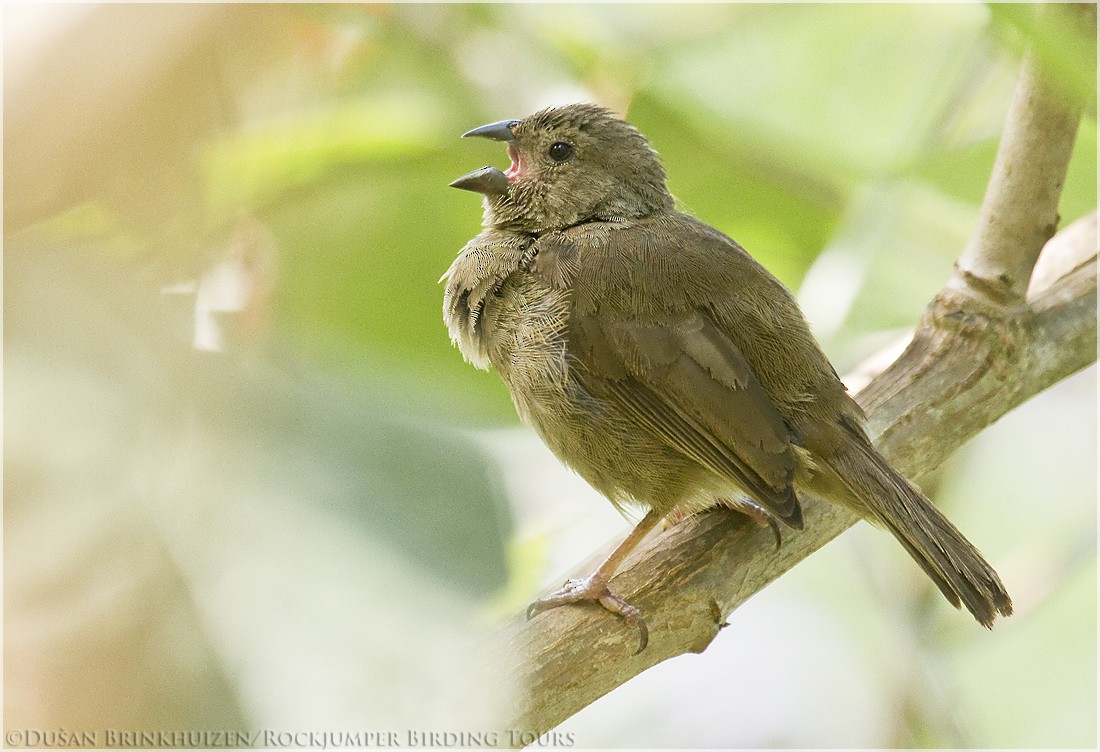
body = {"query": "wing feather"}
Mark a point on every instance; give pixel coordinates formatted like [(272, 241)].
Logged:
[(687, 383)]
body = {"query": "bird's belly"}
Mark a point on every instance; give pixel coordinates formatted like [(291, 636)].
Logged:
[(527, 330), (629, 467)]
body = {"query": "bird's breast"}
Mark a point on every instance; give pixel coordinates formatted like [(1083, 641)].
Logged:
[(477, 284), (525, 327)]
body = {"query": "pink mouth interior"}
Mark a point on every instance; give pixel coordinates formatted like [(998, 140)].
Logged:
[(517, 162)]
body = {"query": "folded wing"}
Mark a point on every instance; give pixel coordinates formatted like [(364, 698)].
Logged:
[(687, 383)]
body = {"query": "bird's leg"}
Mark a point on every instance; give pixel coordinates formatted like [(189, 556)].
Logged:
[(594, 587)]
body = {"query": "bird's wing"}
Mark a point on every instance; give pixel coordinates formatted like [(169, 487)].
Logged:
[(684, 380)]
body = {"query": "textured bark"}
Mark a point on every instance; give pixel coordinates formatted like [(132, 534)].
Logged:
[(1020, 210), (980, 350)]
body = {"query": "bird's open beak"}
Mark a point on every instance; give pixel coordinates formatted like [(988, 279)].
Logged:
[(487, 180), (501, 131)]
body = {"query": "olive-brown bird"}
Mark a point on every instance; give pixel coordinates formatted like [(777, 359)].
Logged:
[(660, 361)]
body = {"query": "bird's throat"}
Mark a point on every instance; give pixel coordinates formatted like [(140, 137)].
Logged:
[(516, 168)]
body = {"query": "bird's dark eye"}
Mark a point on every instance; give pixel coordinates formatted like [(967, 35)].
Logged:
[(560, 151)]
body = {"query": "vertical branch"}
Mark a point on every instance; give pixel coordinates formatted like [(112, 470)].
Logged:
[(1020, 211)]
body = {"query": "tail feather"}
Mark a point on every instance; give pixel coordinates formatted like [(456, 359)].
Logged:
[(946, 556)]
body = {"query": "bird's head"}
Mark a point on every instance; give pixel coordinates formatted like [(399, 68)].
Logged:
[(570, 164)]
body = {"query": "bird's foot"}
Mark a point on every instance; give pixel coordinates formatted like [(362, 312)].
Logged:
[(594, 589), (763, 519)]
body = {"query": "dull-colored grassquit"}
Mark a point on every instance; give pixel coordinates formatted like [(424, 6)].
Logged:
[(660, 361)]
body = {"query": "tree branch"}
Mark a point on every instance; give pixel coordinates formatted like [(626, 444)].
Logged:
[(980, 350), (1020, 210)]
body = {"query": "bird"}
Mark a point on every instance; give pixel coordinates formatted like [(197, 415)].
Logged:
[(663, 363)]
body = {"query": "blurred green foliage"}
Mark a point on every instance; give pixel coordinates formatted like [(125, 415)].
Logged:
[(772, 121)]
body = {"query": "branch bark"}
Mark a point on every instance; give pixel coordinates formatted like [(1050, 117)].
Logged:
[(1020, 210), (981, 349)]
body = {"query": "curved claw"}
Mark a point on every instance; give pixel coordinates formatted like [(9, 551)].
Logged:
[(576, 591), (774, 525), (632, 615), (762, 518)]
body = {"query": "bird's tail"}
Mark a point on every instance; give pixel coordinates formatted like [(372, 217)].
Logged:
[(946, 556)]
